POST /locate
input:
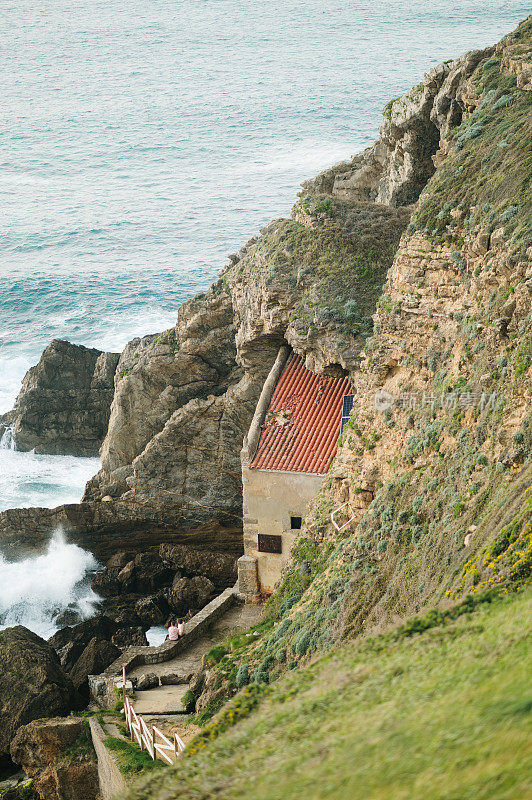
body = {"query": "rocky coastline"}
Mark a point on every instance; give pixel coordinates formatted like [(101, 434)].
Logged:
[(373, 278)]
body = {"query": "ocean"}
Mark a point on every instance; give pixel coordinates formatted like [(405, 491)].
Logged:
[(143, 141)]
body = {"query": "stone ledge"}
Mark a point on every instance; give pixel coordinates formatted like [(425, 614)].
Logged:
[(110, 778)]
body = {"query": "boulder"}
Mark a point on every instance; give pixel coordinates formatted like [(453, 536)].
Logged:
[(190, 593), (95, 658), (32, 683), (65, 401), (133, 636), (105, 583), (145, 574), (152, 610), (147, 680), (58, 755), (70, 616), (70, 642), (121, 610), (219, 567)]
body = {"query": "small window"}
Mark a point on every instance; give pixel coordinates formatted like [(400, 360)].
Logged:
[(347, 407), (269, 543), (295, 523)]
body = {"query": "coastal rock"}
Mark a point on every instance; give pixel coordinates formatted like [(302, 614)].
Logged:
[(397, 167), (64, 403), (32, 683), (70, 642), (190, 593), (133, 636), (152, 610), (96, 657), (220, 568), (58, 755)]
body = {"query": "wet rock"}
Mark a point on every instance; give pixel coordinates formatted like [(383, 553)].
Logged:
[(130, 637), (144, 574), (58, 755), (70, 642), (121, 610), (65, 400), (105, 583), (32, 683), (70, 616), (219, 567), (152, 610)]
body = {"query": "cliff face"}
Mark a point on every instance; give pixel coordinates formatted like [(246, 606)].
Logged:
[(183, 400), (63, 405), (435, 464)]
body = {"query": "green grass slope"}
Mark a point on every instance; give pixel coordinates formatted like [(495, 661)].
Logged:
[(445, 714)]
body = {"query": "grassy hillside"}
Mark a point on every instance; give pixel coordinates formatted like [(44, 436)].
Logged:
[(443, 714)]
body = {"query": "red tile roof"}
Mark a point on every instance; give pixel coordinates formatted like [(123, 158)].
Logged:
[(302, 425)]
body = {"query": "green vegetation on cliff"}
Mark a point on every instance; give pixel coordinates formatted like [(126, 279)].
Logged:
[(488, 174), (334, 255), (394, 656), (443, 714)]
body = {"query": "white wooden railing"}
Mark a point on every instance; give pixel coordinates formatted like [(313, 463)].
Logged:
[(340, 528), (151, 739)]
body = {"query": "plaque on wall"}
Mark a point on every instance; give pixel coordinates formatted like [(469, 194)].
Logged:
[(268, 543)]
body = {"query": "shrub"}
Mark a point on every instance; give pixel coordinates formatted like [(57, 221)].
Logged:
[(242, 676), (301, 643), (260, 675)]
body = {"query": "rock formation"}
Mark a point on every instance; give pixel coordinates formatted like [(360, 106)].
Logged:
[(434, 467), (58, 755), (63, 405), (32, 683)]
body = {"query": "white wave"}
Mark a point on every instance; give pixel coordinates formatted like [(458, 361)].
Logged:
[(35, 589), (12, 370), (156, 635)]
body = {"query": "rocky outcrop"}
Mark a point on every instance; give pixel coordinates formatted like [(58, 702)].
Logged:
[(434, 467), (95, 658), (64, 404), (189, 593), (32, 683), (397, 167), (107, 527), (58, 755)]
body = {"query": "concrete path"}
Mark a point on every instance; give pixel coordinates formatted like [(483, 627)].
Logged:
[(160, 700), (166, 699)]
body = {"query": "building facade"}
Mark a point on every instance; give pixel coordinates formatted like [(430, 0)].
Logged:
[(289, 448)]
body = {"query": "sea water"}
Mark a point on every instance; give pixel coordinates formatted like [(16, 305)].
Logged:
[(143, 140)]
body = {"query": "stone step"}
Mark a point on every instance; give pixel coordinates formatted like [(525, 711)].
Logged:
[(160, 700)]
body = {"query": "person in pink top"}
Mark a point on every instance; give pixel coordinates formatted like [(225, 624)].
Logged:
[(173, 632)]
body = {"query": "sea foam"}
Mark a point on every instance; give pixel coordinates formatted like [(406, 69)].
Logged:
[(34, 590)]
